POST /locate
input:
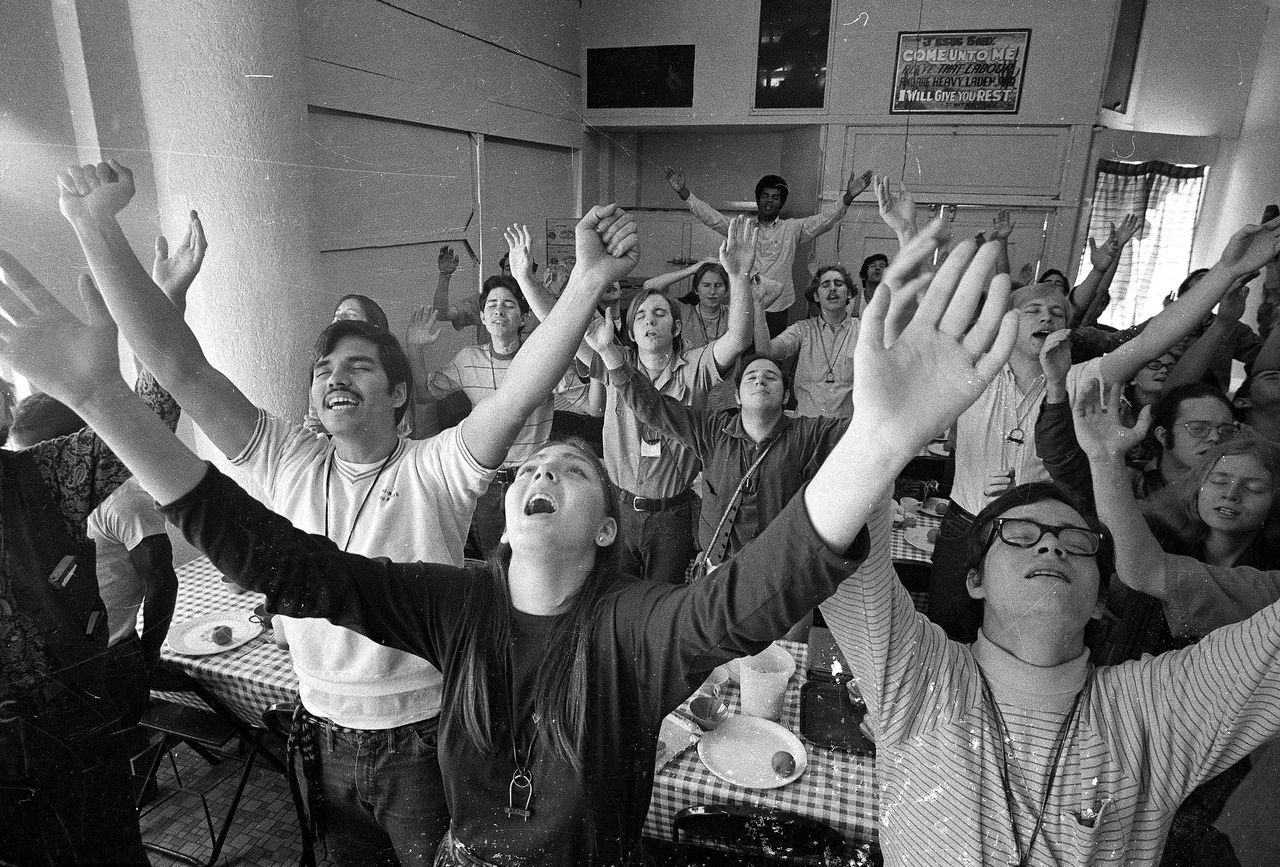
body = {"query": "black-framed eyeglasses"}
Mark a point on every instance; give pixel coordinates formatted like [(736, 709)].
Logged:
[(1024, 533), (1198, 430), (1157, 365)]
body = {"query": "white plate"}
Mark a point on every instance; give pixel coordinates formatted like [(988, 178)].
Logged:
[(916, 538), (194, 637), (939, 449), (741, 752)]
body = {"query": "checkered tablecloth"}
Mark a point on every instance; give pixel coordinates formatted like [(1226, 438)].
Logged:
[(837, 788), (248, 679), (901, 549)]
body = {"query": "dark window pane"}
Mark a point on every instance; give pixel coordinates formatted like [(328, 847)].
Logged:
[(655, 76), (791, 67)]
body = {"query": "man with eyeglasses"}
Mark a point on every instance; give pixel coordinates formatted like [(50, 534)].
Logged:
[(1015, 749)]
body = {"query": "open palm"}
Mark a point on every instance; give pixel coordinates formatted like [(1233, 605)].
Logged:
[(932, 356), (47, 344)]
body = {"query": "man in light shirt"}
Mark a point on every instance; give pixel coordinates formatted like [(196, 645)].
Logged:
[(777, 236)]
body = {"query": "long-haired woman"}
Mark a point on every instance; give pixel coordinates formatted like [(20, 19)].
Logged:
[(556, 675)]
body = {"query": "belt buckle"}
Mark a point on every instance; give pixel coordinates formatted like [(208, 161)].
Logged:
[(638, 503)]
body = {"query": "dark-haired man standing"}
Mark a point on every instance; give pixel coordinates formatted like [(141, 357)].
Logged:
[(777, 235)]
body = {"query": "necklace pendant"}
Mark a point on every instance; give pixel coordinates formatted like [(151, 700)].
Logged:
[(521, 781), (831, 378)]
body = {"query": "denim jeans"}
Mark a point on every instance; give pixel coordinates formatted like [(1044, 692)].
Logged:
[(657, 545), (383, 795)]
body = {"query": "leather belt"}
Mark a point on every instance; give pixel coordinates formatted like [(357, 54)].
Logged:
[(651, 504)]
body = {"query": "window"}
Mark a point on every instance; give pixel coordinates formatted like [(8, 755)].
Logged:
[(791, 59), (1158, 258)]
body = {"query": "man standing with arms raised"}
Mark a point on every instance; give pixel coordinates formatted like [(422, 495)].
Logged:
[(371, 711), (777, 236)]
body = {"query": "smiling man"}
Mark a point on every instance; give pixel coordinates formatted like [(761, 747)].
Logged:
[(479, 371), (371, 711)]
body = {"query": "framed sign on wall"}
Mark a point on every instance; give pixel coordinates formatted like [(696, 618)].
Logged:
[(959, 71)]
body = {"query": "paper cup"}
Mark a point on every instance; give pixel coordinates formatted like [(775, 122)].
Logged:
[(764, 682), (910, 505)]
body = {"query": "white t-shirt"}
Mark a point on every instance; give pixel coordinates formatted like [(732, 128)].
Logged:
[(117, 526), (986, 434), (419, 510)]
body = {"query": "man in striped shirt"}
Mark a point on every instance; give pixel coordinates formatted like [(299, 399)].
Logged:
[(478, 371), (1013, 749)]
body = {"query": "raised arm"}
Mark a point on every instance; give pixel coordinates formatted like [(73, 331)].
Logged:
[(459, 316), (707, 215), (1055, 440), (737, 255), (1105, 439), (665, 281), (606, 248), (1193, 364), (1089, 298), (918, 366), (90, 197), (1248, 250), (152, 560), (1001, 229), (813, 226), (540, 297), (897, 209), (422, 331)]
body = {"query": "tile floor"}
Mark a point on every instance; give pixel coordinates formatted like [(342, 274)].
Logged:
[(264, 833)]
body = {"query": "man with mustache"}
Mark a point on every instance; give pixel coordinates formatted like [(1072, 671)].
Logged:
[(371, 712)]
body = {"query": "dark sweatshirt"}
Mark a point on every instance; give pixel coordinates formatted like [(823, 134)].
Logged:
[(653, 644)]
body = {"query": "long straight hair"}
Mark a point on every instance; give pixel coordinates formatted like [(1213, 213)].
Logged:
[(1177, 507), (560, 688)]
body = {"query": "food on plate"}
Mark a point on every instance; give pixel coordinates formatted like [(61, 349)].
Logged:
[(221, 635), (932, 535), (784, 764)]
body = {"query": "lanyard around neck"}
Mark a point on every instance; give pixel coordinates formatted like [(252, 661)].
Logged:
[(1065, 732), (328, 473)]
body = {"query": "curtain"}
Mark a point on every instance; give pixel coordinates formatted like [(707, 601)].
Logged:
[(1155, 262)]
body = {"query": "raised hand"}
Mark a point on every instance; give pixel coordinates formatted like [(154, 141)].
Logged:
[(94, 192), (675, 179), (447, 261), (606, 244), (423, 329), (600, 333), (766, 291), (1128, 227), (174, 271), (70, 359), (915, 383), (897, 210), (738, 250), (1100, 429), (1055, 356), (519, 251), (1101, 256), (1026, 275), (1001, 226), (1232, 305), (856, 184), (1251, 248)]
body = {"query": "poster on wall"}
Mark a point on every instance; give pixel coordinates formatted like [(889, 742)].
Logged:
[(960, 71), (560, 242)]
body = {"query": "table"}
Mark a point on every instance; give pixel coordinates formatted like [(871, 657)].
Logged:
[(902, 550), (837, 788), (248, 679)]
